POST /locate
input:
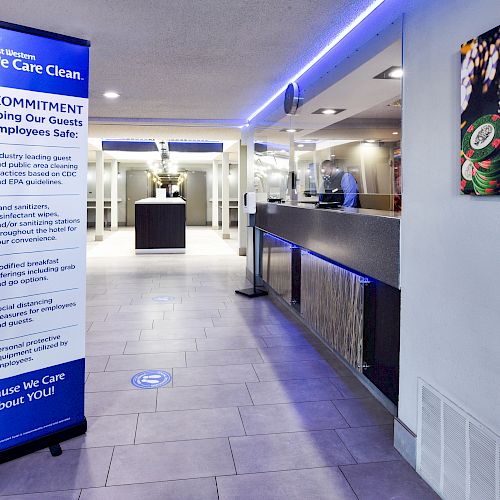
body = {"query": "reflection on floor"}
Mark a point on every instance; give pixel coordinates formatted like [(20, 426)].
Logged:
[(254, 409)]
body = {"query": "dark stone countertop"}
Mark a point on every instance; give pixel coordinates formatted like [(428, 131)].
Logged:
[(364, 240)]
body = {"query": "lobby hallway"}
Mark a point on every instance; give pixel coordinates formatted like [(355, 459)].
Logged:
[(256, 409)]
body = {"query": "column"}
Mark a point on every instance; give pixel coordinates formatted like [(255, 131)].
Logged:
[(291, 169), (114, 195), (249, 141), (242, 188), (225, 196), (215, 195), (99, 196)]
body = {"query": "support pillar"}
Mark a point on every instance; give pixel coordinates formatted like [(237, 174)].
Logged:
[(242, 188), (215, 195), (114, 195), (225, 196), (99, 196), (292, 174)]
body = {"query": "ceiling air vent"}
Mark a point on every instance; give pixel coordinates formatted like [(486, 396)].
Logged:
[(458, 456)]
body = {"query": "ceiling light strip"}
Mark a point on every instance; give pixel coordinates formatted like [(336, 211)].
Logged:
[(319, 56)]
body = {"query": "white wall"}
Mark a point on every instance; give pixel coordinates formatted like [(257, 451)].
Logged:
[(450, 333)]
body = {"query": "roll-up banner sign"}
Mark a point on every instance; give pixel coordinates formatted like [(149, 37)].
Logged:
[(43, 184)]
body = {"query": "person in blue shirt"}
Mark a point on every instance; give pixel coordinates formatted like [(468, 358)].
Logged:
[(339, 185)]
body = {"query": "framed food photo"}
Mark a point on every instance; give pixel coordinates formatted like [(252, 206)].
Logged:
[(480, 123)]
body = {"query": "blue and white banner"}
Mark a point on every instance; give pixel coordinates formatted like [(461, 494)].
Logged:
[(43, 193)]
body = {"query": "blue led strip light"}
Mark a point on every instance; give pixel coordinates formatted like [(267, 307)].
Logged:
[(319, 56), (362, 278)]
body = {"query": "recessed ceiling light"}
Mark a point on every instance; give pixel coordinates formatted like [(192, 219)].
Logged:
[(396, 73), (371, 141), (395, 133), (300, 146), (391, 73), (111, 95), (328, 111), (291, 130)]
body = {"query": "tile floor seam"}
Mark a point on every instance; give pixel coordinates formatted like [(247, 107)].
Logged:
[(296, 469), (348, 482), (256, 374), (288, 470), (217, 485), (232, 456), (109, 468), (303, 431), (242, 423), (249, 393)]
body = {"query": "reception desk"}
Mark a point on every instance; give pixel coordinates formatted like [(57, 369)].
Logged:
[(339, 270), (160, 225)]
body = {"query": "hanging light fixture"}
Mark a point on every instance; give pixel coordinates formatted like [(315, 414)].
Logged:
[(164, 156)]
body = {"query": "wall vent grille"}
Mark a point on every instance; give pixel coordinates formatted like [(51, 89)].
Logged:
[(456, 455)]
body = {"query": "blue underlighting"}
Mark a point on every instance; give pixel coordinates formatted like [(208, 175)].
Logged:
[(274, 237), (362, 278), (318, 56)]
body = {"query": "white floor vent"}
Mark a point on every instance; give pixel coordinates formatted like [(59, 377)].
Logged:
[(456, 455)]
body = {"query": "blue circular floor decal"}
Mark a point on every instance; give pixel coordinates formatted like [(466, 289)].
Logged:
[(164, 298), (151, 379)]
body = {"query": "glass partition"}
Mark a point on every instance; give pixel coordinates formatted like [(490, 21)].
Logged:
[(342, 147)]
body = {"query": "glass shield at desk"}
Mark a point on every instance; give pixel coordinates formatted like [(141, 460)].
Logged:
[(353, 174)]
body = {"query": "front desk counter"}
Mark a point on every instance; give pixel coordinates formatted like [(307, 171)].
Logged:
[(339, 270), (160, 225)]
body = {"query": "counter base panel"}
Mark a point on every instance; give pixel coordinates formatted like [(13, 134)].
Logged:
[(140, 251), (357, 317), (317, 340)]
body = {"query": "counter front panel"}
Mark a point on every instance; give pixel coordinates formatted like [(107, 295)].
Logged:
[(160, 225)]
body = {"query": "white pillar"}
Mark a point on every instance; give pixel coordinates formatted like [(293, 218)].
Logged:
[(291, 168), (215, 195), (114, 195), (225, 196), (99, 196), (242, 188), (249, 141)]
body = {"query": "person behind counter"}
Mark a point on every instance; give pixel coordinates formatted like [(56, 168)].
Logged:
[(338, 186)]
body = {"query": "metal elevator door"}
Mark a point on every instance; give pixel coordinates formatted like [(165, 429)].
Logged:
[(196, 199), (138, 188)]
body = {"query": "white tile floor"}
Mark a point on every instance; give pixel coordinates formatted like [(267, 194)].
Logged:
[(254, 411)]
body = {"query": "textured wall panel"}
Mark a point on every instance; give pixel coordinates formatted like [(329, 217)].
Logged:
[(277, 266), (332, 302)]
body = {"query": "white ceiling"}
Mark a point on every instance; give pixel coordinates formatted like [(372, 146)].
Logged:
[(190, 59), (363, 99)]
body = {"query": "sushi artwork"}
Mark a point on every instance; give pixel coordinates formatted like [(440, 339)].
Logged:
[(480, 119)]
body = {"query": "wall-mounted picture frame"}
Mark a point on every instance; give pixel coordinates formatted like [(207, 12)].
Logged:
[(480, 115)]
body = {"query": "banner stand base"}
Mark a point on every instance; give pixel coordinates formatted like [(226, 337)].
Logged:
[(50, 441), (55, 450)]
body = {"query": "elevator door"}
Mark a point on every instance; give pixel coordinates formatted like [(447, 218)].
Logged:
[(138, 188), (196, 199)]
